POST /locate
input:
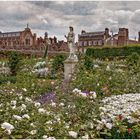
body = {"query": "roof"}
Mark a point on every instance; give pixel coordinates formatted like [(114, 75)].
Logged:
[(93, 33), (10, 34)]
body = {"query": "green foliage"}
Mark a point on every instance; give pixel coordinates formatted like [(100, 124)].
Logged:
[(58, 63), (112, 52), (121, 129), (5, 79), (69, 112), (88, 63), (133, 59), (119, 79), (13, 62)]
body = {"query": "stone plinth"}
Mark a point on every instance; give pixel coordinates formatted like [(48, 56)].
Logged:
[(69, 67)]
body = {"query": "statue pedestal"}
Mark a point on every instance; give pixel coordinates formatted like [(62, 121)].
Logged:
[(69, 67)]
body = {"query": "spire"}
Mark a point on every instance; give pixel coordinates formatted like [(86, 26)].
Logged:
[(27, 25)]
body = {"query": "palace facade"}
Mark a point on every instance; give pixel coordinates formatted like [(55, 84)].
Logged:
[(104, 38), (28, 43)]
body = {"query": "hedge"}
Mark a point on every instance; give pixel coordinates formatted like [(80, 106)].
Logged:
[(112, 52)]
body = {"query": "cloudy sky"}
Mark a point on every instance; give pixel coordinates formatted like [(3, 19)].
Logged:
[(56, 16)]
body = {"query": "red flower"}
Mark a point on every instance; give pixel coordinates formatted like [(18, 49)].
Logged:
[(120, 117), (129, 130)]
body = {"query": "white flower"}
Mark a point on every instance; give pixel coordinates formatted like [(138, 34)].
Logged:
[(108, 68), (99, 127), (23, 106), (32, 124), (85, 137), (37, 104), (52, 82), (96, 66), (41, 110), (26, 116), (20, 97), (53, 104), (83, 94), (49, 122), (17, 117), (33, 132), (67, 126), (98, 84), (51, 138), (109, 125), (94, 95), (28, 99), (24, 89), (73, 134), (7, 126), (61, 104), (76, 90), (13, 102), (45, 137), (13, 107)]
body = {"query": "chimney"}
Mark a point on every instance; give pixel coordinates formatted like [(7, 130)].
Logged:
[(46, 35), (83, 32), (55, 39), (139, 37), (106, 31)]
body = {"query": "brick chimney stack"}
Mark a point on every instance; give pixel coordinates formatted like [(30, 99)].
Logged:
[(139, 37)]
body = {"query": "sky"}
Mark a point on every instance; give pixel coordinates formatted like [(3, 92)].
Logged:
[(55, 17)]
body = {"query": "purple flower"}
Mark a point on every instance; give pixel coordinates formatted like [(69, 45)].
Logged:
[(47, 98), (86, 92)]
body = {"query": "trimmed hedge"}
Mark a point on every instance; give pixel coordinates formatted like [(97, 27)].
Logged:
[(112, 52)]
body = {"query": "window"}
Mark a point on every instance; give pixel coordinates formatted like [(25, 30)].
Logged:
[(94, 43), (100, 42), (27, 41), (85, 43), (80, 43), (90, 43)]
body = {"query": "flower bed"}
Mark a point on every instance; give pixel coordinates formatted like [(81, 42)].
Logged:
[(124, 105)]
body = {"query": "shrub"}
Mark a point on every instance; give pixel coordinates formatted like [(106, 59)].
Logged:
[(58, 63), (88, 63), (13, 62), (133, 59), (112, 52), (5, 79)]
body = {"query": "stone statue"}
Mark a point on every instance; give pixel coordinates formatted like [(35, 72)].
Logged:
[(71, 44)]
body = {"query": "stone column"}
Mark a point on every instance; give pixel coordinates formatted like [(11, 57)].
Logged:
[(69, 67)]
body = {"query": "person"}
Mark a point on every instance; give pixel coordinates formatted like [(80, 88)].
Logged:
[(71, 43)]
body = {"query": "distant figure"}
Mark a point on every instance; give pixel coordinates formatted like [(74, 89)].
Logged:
[(71, 44)]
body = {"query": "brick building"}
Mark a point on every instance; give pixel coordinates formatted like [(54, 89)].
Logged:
[(20, 40), (93, 38), (103, 38), (122, 38), (28, 43)]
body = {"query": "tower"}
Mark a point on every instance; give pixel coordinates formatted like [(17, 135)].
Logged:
[(123, 36), (106, 33)]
